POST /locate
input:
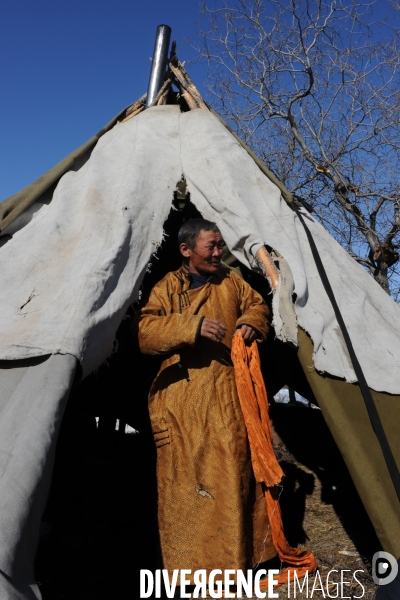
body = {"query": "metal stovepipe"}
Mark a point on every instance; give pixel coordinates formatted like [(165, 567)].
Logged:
[(160, 56)]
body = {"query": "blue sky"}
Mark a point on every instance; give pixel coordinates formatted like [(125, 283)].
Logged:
[(68, 67)]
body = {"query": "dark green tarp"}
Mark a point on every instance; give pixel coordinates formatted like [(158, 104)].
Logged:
[(344, 411)]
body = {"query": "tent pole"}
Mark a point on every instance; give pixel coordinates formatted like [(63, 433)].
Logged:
[(160, 56)]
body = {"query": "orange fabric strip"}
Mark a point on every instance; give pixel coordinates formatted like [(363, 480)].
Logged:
[(254, 403)]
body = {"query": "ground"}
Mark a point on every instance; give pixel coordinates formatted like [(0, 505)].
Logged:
[(103, 510), (333, 547)]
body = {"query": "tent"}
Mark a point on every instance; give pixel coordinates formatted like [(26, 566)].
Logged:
[(76, 245)]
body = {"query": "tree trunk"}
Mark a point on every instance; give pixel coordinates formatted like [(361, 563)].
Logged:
[(381, 276)]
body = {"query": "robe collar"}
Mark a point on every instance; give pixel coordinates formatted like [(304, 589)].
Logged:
[(185, 277)]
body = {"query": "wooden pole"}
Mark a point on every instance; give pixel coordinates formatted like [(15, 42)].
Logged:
[(187, 84), (267, 266)]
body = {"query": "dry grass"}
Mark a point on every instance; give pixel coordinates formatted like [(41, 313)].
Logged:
[(328, 540)]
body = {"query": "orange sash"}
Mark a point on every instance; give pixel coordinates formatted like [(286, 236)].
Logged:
[(254, 404)]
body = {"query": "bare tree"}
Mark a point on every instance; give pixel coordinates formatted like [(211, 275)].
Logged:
[(313, 87)]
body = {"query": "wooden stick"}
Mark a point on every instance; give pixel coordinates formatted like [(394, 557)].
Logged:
[(136, 105), (180, 77), (268, 267), (191, 86), (187, 84), (190, 101), (163, 99), (173, 50), (139, 105), (165, 86), (133, 114)]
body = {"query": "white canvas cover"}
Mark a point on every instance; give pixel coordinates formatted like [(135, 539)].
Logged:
[(33, 395), (229, 188), (69, 275)]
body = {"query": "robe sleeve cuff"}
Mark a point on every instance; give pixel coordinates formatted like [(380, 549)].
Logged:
[(261, 335)]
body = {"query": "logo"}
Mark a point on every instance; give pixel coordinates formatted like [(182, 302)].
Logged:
[(384, 568)]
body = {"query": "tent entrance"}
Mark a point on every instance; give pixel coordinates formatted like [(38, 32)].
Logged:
[(103, 503)]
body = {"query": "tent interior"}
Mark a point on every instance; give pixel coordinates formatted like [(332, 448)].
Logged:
[(99, 527)]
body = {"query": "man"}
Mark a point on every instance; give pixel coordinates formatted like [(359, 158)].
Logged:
[(212, 514)]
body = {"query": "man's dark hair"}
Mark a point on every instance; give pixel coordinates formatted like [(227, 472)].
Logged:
[(190, 231)]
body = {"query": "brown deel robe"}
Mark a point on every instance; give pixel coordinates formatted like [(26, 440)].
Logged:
[(212, 513)]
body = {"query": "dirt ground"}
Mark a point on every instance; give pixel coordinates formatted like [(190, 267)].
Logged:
[(322, 510), (101, 519), (334, 548)]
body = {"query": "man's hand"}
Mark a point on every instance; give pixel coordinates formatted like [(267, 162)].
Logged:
[(248, 334), (213, 330)]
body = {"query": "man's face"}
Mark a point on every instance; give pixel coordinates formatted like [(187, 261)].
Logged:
[(205, 259)]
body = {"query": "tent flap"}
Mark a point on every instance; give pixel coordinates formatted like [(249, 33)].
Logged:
[(228, 187), (68, 276)]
